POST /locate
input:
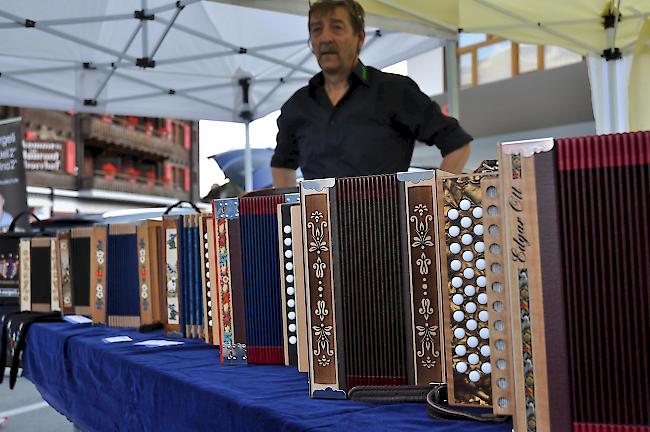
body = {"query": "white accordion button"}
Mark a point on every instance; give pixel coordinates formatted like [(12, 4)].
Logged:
[(461, 367), (467, 239), (472, 341), (454, 248), (470, 290), (291, 315), (486, 368), (457, 299), (471, 325), (289, 266), (452, 214), (292, 340), (481, 281), (466, 222), (479, 247), (291, 303), (290, 278), (478, 230), (455, 265), (470, 307), (454, 231), (482, 298), (459, 316), (473, 358), (287, 229), (291, 290), (288, 254), (468, 256), (456, 282), (459, 333), (484, 333), (468, 273), (480, 264), (474, 376), (483, 316), (287, 242), (210, 323), (465, 204), (477, 212), (485, 351), (292, 328), (460, 350)]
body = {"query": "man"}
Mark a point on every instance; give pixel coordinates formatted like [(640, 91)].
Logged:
[(356, 120)]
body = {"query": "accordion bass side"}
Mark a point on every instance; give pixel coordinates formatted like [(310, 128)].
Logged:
[(576, 258)]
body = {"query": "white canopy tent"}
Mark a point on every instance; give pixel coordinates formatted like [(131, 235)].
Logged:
[(184, 59)]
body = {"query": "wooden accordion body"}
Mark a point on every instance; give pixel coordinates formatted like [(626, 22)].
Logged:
[(251, 306), (576, 258), (372, 274)]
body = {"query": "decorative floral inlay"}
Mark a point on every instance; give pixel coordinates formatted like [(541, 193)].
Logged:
[(321, 310), (427, 333), (223, 281), (426, 310), (421, 227), (319, 266), (323, 333), (317, 244), (99, 288), (424, 264)]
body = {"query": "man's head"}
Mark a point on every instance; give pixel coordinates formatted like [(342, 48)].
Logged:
[(336, 34)]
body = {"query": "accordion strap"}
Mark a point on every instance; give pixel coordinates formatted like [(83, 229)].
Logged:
[(389, 394), (438, 408)]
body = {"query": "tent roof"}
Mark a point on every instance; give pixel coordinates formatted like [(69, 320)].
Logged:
[(576, 25), (89, 56)]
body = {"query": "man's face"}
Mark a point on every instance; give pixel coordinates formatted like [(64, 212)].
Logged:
[(334, 42)]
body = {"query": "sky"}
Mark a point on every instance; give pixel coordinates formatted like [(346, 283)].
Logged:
[(218, 137)]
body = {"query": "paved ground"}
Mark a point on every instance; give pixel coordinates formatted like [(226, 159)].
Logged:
[(27, 411)]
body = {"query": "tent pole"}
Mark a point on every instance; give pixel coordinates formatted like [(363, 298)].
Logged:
[(451, 64), (247, 115), (248, 159)]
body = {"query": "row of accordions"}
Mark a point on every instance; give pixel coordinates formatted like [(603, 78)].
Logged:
[(525, 289), (123, 275)]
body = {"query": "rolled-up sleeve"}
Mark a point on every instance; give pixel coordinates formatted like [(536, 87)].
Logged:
[(427, 123), (286, 153)]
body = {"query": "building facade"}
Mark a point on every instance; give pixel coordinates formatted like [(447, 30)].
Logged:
[(89, 163)]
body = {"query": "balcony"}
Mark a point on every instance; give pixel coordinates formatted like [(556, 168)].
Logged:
[(124, 183), (51, 179), (133, 140)]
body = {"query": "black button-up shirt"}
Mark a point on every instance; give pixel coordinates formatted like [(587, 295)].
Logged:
[(372, 130)]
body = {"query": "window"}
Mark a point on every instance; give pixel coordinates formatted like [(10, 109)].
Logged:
[(494, 62), (528, 58), (555, 57)]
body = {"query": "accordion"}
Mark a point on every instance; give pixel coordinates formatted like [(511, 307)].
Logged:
[(524, 290), (40, 284), (575, 261), (252, 306)]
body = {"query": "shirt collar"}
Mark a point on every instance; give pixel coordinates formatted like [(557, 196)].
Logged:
[(358, 74)]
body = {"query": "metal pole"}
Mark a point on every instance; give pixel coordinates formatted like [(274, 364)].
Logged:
[(248, 159), (612, 96), (451, 65)]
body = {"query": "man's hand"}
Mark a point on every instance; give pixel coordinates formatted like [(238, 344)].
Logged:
[(454, 161), (283, 177)]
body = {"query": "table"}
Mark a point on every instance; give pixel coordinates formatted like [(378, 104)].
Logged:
[(120, 386)]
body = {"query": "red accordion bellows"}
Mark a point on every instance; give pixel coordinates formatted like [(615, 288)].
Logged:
[(604, 187)]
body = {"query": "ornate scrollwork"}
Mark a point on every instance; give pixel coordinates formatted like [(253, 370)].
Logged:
[(317, 243), (421, 228), (427, 334), (424, 264)]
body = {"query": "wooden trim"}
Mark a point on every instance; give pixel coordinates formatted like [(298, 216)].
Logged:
[(514, 59), (488, 42), (540, 57), (475, 68)]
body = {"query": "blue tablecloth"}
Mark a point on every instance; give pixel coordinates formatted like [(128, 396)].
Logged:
[(109, 387)]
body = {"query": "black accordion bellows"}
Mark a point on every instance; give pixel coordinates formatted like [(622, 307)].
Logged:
[(370, 286)]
